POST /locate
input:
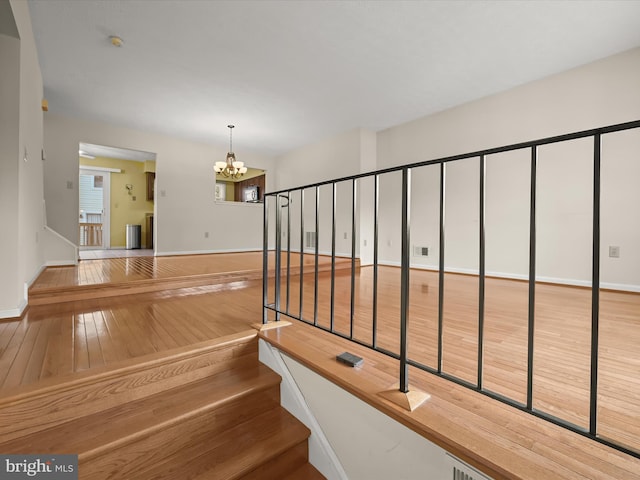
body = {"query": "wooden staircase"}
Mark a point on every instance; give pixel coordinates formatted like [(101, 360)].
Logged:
[(210, 411)]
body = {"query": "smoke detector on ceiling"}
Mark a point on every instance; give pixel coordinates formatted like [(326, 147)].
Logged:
[(116, 41)]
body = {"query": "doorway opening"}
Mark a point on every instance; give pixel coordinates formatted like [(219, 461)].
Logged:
[(94, 217), (116, 197)]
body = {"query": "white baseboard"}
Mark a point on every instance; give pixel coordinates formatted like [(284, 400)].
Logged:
[(14, 312), (61, 263), (321, 455), (515, 276), (311, 251), (621, 287), (37, 274)]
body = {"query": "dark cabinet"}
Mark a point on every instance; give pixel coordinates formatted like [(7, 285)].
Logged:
[(149, 230), (151, 181), (239, 188)]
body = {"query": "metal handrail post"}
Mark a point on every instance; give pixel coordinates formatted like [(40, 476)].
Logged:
[(265, 259), (278, 255), (404, 281)]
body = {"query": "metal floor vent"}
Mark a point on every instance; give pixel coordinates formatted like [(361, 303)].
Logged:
[(310, 239), (462, 471), (420, 251), (462, 475)]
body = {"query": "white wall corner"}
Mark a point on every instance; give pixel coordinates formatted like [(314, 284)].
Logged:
[(30, 282), (321, 454), (58, 250)]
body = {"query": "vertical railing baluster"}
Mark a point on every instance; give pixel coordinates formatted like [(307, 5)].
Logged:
[(481, 272), (333, 255), (278, 255), (404, 280), (374, 333), (441, 266), (353, 255), (301, 277), (315, 282), (265, 259), (288, 247), (595, 288), (532, 276)]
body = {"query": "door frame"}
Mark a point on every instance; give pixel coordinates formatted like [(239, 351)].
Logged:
[(106, 200)]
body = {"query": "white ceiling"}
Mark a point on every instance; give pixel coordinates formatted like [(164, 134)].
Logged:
[(288, 73)]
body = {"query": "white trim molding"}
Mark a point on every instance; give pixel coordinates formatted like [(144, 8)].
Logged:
[(101, 169)]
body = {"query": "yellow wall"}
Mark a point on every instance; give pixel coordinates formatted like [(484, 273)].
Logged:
[(125, 208), (150, 166), (230, 192)]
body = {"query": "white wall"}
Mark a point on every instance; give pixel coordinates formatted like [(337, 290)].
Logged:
[(321, 455), (602, 93), (9, 147), (346, 154), (185, 187), (20, 161), (58, 251), (334, 157), (369, 444), (620, 197), (368, 160), (31, 214)]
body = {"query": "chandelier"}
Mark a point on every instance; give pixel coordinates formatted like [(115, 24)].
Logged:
[(231, 168)]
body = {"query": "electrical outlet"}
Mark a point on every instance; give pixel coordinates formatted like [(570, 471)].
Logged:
[(614, 252), (133, 198), (364, 242), (206, 234), (69, 184), (345, 235)]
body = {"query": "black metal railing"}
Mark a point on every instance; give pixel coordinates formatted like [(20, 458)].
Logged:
[(281, 200)]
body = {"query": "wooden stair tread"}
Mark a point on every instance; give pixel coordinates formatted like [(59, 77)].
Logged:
[(241, 450), (47, 386), (88, 436), (305, 472), (42, 406)]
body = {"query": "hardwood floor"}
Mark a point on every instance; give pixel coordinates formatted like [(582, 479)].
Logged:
[(132, 269), (90, 254), (77, 336), (562, 339), (55, 340)]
